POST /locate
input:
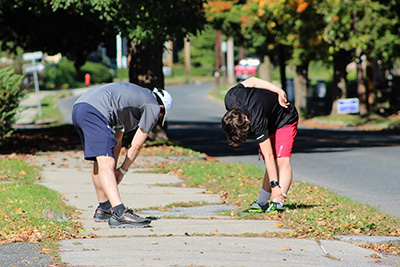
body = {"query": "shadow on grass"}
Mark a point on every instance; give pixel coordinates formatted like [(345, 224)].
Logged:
[(296, 206), (40, 139)]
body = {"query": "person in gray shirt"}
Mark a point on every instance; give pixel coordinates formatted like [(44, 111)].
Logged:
[(101, 116)]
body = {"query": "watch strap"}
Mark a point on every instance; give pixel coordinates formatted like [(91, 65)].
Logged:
[(274, 183), (123, 171)]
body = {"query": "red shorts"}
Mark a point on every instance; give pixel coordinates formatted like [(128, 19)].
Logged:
[(282, 141)]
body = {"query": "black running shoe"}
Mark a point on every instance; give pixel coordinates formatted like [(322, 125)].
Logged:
[(101, 215), (128, 219)]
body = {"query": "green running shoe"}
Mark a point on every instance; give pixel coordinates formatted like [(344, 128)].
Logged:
[(275, 206), (254, 208)]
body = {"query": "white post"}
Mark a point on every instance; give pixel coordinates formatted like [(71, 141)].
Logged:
[(119, 51), (230, 61), (34, 69), (36, 82)]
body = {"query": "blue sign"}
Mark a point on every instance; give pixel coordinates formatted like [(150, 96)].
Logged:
[(348, 105)]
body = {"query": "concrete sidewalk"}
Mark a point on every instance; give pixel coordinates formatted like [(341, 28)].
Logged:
[(183, 236)]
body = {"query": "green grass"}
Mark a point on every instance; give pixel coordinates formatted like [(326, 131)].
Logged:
[(357, 120), (16, 170), (169, 151), (50, 113), (312, 211), (23, 202)]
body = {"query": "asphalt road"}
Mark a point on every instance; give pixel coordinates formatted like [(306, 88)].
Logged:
[(364, 166)]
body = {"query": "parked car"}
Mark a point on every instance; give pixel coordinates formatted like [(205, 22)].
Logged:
[(246, 68)]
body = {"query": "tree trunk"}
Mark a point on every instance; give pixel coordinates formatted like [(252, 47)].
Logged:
[(145, 65), (301, 85), (187, 58), (266, 68), (370, 84), (241, 52), (282, 66), (339, 86), (361, 89), (145, 69), (217, 56)]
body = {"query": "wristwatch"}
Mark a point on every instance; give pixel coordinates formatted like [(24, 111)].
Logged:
[(123, 171), (274, 183)]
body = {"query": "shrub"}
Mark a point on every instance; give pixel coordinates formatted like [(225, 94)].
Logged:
[(99, 73), (65, 75), (57, 76), (10, 94)]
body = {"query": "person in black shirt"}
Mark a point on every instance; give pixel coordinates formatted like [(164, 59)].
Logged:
[(258, 108)]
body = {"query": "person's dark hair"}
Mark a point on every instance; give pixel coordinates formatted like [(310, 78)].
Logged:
[(236, 126)]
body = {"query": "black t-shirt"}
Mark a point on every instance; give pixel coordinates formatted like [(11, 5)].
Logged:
[(262, 108)]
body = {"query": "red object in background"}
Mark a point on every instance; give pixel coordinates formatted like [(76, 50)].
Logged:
[(87, 79), (246, 68)]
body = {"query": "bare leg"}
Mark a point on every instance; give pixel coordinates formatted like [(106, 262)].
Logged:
[(101, 195), (266, 185), (103, 176), (285, 174)]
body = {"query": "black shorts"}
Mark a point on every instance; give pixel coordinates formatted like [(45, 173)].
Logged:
[(94, 130)]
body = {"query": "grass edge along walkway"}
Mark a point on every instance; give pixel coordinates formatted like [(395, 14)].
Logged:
[(312, 211)]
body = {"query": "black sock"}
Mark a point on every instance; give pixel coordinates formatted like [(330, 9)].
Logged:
[(105, 205), (119, 209)]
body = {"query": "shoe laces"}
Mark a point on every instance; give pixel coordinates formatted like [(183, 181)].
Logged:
[(130, 211)]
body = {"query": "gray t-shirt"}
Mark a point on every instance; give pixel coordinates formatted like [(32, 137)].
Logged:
[(125, 105)]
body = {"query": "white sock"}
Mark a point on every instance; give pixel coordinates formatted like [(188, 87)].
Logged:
[(264, 197)]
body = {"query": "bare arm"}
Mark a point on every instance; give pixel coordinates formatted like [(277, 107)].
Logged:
[(137, 143), (117, 149), (272, 170), (259, 83)]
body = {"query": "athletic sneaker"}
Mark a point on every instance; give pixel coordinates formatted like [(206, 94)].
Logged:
[(275, 207), (254, 208), (128, 219), (101, 215)]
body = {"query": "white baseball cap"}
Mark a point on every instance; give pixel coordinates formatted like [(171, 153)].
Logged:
[(166, 98)]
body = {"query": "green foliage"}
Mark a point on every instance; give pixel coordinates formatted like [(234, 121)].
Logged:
[(61, 74), (99, 73), (10, 95), (154, 21), (73, 28), (202, 49), (65, 75)]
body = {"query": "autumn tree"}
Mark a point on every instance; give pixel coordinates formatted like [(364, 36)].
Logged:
[(292, 31), (358, 29), (223, 16)]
